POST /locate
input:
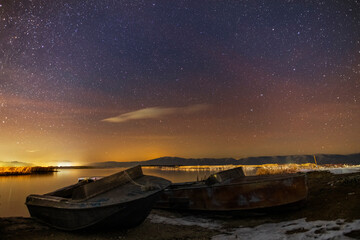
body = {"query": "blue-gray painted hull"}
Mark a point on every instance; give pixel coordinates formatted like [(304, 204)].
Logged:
[(122, 200), (124, 215)]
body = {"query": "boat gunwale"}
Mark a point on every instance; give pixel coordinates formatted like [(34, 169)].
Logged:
[(73, 204), (192, 185)]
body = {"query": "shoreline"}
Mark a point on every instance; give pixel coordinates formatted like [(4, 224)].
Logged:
[(20, 171), (332, 197)]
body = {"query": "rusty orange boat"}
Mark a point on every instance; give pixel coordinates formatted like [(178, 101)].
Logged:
[(231, 190)]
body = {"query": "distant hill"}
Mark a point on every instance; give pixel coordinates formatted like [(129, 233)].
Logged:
[(113, 164), (170, 161), (352, 159)]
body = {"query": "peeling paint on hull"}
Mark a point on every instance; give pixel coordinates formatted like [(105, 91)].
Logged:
[(242, 193)]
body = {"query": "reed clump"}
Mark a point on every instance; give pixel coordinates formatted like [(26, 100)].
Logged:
[(11, 171), (284, 168)]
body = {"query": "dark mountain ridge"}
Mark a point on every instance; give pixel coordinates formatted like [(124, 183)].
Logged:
[(321, 159)]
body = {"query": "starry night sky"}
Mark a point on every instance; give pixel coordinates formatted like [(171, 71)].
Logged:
[(86, 81)]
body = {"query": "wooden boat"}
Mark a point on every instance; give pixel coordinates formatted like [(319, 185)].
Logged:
[(120, 200), (232, 191)]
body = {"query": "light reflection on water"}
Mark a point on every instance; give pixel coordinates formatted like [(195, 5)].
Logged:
[(14, 189)]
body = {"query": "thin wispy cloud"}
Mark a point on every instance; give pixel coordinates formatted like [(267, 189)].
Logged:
[(31, 151), (156, 113)]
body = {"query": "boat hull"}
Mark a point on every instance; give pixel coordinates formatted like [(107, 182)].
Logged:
[(121, 200), (123, 215), (241, 194)]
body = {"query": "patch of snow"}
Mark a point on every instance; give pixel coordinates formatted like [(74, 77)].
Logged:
[(295, 230), (342, 170), (290, 230), (186, 221)]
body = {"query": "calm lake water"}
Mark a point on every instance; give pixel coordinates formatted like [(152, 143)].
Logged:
[(14, 189)]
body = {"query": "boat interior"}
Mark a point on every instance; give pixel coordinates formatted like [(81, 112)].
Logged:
[(87, 189)]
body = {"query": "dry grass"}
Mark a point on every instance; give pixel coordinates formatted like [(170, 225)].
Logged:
[(284, 168), (216, 168), (250, 170), (9, 171)]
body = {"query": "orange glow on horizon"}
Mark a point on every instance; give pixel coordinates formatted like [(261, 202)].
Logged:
[(51, 140)]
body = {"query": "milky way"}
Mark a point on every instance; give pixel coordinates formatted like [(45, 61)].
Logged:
[(84, 81)]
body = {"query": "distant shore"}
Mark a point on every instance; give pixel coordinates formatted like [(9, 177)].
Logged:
[(321, 159), (248, 169), (17, 171)]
